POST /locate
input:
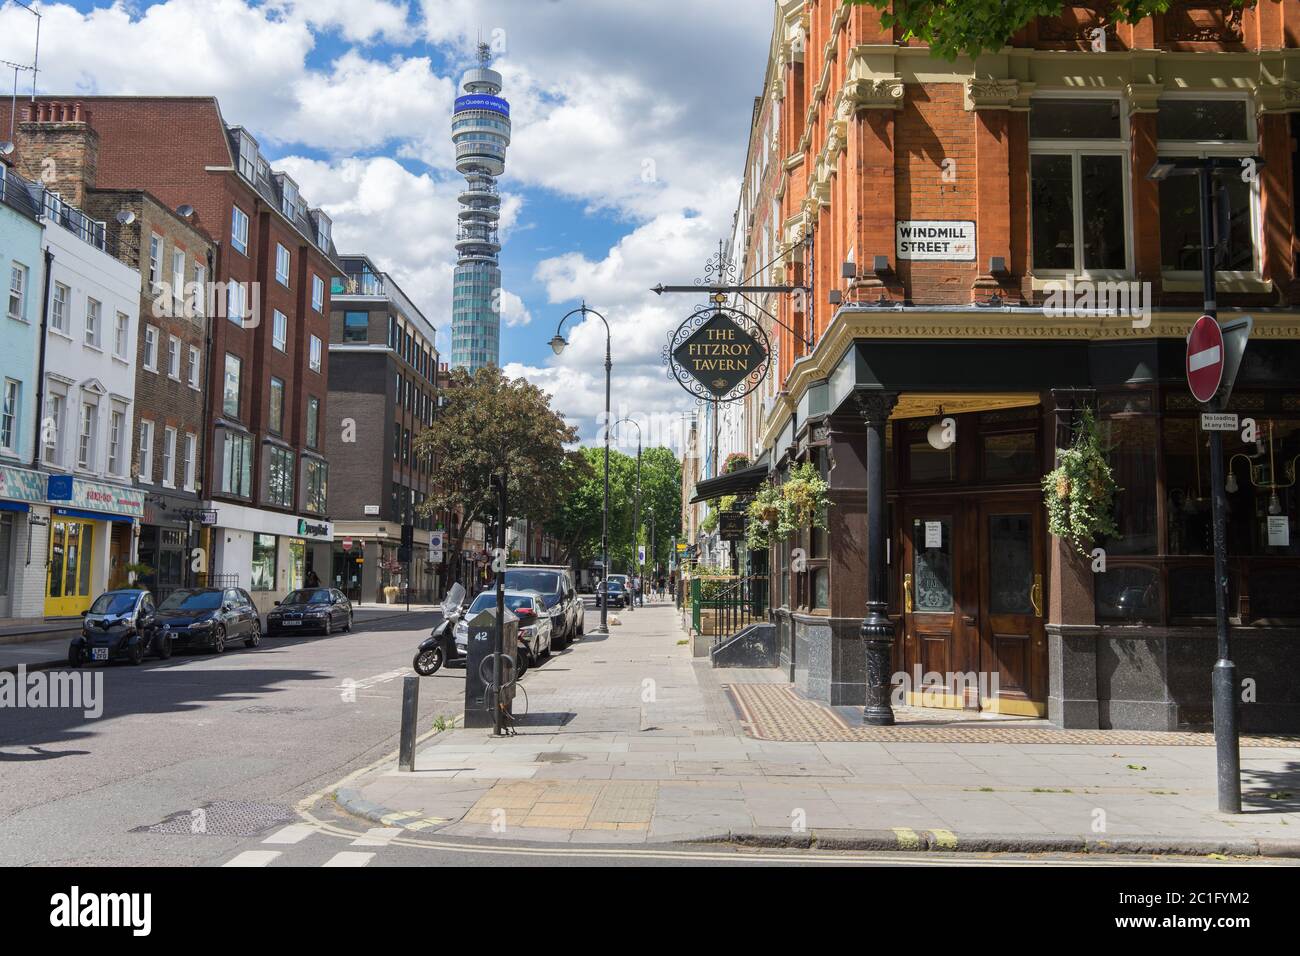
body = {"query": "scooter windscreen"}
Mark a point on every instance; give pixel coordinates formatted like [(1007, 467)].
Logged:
[(455, 597)]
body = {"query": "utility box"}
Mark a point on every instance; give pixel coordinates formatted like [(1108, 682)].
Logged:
[(481, 645)]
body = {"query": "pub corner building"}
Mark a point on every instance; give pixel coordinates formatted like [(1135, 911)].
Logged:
[(988, 256)]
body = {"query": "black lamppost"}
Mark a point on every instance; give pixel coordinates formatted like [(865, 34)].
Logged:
[(636, 517), (1224, 678), (557, 345)]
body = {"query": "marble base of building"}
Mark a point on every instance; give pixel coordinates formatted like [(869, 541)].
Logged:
[(1144, 677)]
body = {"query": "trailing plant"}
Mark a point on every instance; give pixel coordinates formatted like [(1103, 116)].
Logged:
[(1080, 492), (710, 522), (805, 491), (764, 514)]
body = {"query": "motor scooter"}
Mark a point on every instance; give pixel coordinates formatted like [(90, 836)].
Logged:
[(440, 646)]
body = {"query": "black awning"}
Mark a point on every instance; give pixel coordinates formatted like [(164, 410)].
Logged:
[(735, 483)]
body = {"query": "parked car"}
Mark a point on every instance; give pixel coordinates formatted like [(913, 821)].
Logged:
[(534, 624), (120, 625), (612, 593), (563, 605), (210, 618), (322, 609)]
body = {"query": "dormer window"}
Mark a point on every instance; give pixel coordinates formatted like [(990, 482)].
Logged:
[(248, 158), (323, 226), (288, 196)]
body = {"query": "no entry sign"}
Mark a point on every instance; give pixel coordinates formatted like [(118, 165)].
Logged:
[(1205, 359)]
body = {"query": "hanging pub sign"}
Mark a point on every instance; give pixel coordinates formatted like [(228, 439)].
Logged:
[(718, 354), (731, 525)]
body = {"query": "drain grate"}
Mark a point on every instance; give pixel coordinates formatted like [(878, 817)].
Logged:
[(223, 818), (558, 757), (555, 718)]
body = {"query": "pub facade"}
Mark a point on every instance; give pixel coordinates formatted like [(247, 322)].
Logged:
[(990, 257)]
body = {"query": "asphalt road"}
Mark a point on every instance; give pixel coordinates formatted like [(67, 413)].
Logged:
[(249, 733), (203, 759)]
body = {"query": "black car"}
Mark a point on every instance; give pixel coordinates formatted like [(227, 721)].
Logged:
[(210, 618), (563, 606), (308, 609), (120, 625), (612, 593)]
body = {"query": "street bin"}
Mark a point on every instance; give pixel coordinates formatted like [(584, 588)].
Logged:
[(479, 651)]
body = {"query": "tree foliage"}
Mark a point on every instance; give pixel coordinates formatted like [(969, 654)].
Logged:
[(576, 521), (489, 421), (953, 28)]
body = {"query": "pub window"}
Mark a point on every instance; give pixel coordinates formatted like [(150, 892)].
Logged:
[(1079, 193), (925, 463), (1263, 504), (1203, 126), (1189, 528), (1128, 595), (1011, 456), (1130, 444)]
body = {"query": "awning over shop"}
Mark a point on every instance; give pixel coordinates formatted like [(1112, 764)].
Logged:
[(735, 483)]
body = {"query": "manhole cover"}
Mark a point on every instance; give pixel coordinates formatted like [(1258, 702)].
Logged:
[(223, 818), (558, 757)]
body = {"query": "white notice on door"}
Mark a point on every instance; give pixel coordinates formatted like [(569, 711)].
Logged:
[(1279, 532), (934, 534)]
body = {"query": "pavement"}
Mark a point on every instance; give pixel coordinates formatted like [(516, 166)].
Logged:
[(34, 650), (630, 741)]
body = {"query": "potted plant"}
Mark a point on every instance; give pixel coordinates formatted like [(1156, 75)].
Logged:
[(136, 570), (391, 567), (736, 461), (1080, 492)]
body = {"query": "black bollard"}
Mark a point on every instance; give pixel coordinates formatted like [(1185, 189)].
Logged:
[(410, 715)]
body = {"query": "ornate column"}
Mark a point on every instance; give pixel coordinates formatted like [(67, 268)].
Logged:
[(877, 629)]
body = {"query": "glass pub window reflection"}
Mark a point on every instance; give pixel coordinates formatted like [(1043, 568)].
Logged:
[(1079, 186)]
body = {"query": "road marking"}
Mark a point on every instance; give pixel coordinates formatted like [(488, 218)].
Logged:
[(254, 858), (349, 858), (399, 816), (383, 678), (293, 833), (945, 839), (907, 838), (377, 836)]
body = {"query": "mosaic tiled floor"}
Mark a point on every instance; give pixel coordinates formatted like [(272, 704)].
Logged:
[(777, 712)]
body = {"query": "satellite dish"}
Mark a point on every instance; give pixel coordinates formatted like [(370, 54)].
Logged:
[(185, 211), (6, 148), (125, 217)]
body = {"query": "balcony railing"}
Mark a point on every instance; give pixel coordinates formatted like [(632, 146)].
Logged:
[(75, 221)]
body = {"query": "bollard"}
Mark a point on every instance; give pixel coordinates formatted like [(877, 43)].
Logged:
[(410, 715)]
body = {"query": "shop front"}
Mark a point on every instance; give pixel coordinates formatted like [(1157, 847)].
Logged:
[(92, 539), (169, 533), (24, 529), (990, 612), (266, 552)]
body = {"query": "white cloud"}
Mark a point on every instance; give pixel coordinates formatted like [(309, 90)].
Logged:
[(513, 311)]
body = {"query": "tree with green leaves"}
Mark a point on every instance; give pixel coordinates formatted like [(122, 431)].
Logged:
[(953, 28), (490, 421)]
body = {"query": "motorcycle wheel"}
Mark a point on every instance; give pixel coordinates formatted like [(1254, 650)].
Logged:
[(426, 663)]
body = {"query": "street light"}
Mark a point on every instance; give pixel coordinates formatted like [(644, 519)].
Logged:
[(636, 518), (1224, 679), (558, 345)]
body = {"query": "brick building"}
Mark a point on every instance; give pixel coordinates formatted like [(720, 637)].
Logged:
[(383, 384), (263, 469), (958, 221)]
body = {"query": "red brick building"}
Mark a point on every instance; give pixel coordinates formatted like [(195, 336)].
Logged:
[(989, 254), (264, 471)]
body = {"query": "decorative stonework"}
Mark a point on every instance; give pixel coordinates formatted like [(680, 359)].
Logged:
[(1142, 97), (1279, 97), (875, 93), (990, 93), (1199, 21)]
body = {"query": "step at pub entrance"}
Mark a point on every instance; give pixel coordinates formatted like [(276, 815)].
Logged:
[(969, 532)]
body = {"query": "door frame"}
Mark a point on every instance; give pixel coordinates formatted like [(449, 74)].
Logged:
[(971, 642), (65, 605)]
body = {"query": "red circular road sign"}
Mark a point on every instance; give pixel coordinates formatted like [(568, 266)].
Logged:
[(1205, 359)]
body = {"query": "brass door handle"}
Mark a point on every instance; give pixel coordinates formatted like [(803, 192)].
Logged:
[(907, 593), (1036, 595)]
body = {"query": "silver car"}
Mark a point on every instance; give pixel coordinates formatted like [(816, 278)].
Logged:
[(534, 623)]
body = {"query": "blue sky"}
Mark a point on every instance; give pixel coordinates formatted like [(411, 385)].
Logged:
[(631, 120)]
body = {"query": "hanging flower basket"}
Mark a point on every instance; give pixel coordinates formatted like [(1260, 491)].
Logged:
[(800, 502), (1080, 493)]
